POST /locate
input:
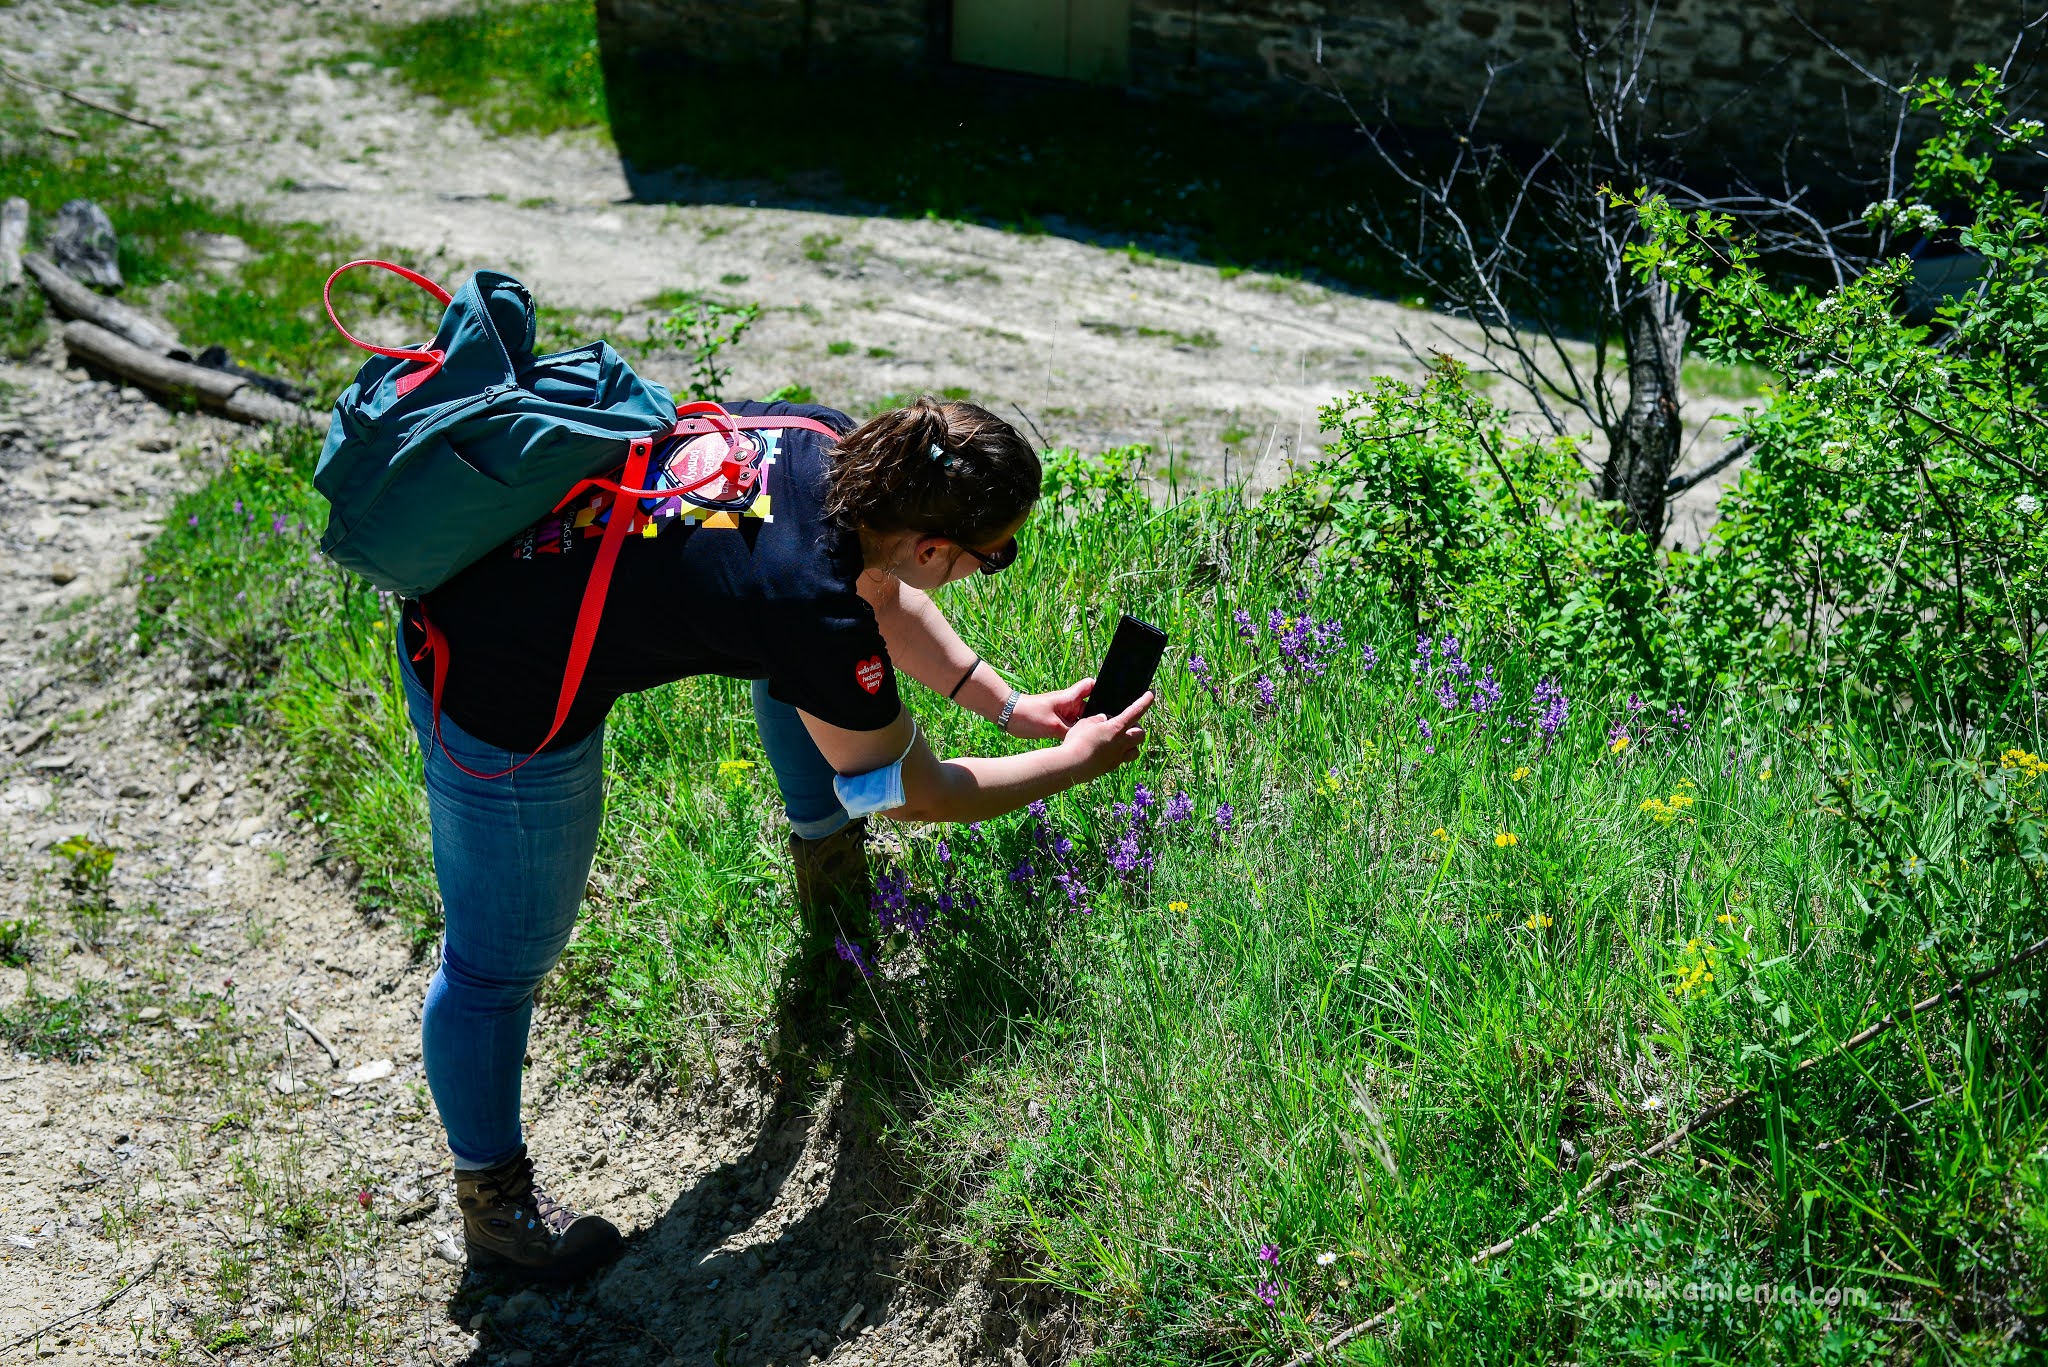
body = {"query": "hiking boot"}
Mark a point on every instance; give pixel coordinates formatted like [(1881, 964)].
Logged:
[(834, 922), (832, 884), (509, 1223)]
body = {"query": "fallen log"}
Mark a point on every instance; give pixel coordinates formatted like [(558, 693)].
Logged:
[(222, 391), (74, 300), (13, 237)]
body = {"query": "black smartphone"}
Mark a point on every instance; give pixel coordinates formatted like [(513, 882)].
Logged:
[(1128, 668)]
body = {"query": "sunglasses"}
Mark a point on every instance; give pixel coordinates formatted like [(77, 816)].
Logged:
[(999, 559)]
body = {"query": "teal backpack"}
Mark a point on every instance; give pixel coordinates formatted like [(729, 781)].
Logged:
[(436, 455)]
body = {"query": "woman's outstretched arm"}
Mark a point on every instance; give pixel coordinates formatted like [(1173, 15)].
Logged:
[(974, 788), (923, 644)]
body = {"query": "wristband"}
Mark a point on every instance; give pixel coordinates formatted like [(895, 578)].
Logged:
[(1009, 706), (964, 678)]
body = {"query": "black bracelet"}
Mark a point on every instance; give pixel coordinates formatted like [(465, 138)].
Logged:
[(964, 678)]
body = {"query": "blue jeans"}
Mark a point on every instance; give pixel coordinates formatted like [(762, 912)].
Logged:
[(512, 856)]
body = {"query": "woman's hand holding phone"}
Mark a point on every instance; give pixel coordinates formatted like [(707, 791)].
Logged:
[(1046, 716), (1100, 744)]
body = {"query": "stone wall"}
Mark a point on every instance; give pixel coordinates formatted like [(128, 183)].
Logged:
[(1745, 65)]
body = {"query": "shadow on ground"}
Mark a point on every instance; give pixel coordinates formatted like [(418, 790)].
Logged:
[(1167, 176)]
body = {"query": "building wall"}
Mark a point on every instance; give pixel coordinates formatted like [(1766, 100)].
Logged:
[(1744, 64)]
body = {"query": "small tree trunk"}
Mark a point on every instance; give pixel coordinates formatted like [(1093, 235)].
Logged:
[(1644, 448)]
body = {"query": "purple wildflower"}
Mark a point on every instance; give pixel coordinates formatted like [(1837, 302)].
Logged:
[(1037, 810), (1125, 856), (1635, 704), (1447, 695), (854, 955), (1676, 716), (974, 829), (238, 507), (1199, 667), (1486, 696), (1269, 1292), (1449, 657), (945, 854), (1062, 847), (1428, 736), (1265, 687), (1246, 631), (1023, 872), (1420, 664), (1226, 816), (1552, 708), (1619, 731), (1368, 657), (1276, 621), (1179, 808), (192, 521), (1141, 799), (277, 525), (1307, 645), (892, 890), (1269, 1253)]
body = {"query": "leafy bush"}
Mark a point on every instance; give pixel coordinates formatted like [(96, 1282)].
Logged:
[(1888, 535), (1885, 540)]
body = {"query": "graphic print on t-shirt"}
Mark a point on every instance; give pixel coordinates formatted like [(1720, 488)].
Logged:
[(720, 503), (869, 673)]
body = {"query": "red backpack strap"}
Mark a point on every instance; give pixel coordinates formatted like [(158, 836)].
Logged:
[(431, 357), (588, 615)]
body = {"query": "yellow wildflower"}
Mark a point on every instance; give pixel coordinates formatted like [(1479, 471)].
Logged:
[(1505, 839), (1618, 744), (1763, 775), (1520, 774), (729, 770), (1698, 968), (1537, 922), (1724, 919), (1441, 834), (1176, 906), (2025, 763), (1667, 809)]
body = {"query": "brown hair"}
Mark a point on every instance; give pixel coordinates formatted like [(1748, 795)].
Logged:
[(948, 469)]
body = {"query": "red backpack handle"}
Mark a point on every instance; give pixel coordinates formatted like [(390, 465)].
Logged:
[(429, 357)]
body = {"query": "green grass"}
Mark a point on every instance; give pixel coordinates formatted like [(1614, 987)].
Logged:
[(71, 1027), (519, 68)]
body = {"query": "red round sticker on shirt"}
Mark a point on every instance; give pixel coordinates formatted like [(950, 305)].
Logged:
[(868, 673)]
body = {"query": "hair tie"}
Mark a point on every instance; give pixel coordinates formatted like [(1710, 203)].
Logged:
[(945, 462)]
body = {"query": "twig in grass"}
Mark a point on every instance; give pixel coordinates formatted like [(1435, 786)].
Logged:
[(1043, 444), (1672, 1140), (65, 1321), (333, 1053), (76, 98)]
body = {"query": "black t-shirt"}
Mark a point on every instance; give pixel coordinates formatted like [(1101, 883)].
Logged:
[(766, 592)]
